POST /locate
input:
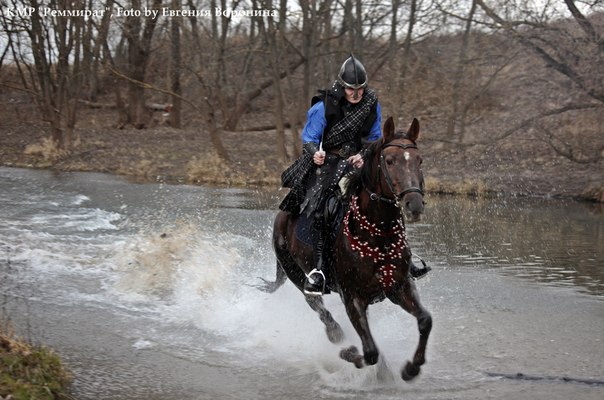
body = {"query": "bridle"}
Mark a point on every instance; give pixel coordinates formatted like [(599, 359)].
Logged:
[(384, 171)]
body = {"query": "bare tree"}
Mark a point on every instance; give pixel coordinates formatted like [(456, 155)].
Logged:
[(93, 55), (55, 76), (139, 37), (575, 54), (271, 33), (207, 71), (459, 75), (407, 46), (175, 66), (561, 48)]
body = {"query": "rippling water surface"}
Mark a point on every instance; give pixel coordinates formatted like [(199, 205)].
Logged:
[(146, 291)]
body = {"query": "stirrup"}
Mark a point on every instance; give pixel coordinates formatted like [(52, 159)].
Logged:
[(421, 272), (314, 291)]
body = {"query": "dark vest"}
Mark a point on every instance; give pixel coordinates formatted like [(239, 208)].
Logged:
[(335, 109), (300, 175)]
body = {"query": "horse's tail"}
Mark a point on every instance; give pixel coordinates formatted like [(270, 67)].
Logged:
[(272, 286), (287, 267)]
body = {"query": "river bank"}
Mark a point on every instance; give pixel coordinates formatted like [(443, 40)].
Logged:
[(181, 156), (28, 371), (186, 156)]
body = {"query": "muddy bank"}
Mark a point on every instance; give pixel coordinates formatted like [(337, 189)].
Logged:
[(186, 156)]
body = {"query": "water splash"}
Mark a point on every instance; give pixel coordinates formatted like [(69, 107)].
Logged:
[(178, 263)]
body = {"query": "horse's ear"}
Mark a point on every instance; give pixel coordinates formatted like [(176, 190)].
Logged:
[(413, 132), (388, 131)]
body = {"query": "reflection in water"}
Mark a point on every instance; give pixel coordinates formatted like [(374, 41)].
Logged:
[(551, 241)]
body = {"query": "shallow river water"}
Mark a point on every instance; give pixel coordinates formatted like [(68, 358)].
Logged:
[(146, 291)]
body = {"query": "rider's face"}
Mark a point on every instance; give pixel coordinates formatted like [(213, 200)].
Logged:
[(350, 97)]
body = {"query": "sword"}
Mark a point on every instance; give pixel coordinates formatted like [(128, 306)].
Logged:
[(318, 170)]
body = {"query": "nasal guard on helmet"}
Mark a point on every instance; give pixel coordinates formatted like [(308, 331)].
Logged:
[(352, 74)]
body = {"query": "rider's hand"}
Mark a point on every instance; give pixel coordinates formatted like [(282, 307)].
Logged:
[(356, 160), (319, 157)]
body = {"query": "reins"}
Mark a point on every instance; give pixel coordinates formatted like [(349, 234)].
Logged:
[(382, 167)]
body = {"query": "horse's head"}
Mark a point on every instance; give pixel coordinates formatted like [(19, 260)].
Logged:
[(400, 166), (392, 171)]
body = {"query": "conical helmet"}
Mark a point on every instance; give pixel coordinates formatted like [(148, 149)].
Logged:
[(352, 74)]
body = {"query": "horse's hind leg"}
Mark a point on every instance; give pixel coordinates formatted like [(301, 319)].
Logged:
[(408, 298), (335, 334)]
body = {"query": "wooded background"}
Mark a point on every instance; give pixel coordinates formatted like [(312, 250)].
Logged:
[(475, 71)]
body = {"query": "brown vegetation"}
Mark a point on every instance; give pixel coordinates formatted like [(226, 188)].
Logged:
[(30, 372)]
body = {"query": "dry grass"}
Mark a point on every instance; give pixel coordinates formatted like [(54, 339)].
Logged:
[(10, 343), (208, 168), (474, 187), (211, 169), (594, 192), (46, 148)]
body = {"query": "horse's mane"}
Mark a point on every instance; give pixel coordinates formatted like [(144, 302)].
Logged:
[(366, 174)]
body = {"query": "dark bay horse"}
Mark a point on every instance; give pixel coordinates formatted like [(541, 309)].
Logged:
[(371, 257)]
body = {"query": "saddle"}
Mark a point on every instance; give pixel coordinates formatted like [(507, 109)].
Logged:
[(334, 212), (306, 231)]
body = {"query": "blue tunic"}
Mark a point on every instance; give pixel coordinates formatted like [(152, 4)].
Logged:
[(316, 123)]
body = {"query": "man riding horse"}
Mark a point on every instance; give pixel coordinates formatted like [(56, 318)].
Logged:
[(339, 123)]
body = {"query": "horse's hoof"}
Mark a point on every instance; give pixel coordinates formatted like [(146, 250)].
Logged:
[(410, 371), (335, 334), (372, 357), (351, 354)]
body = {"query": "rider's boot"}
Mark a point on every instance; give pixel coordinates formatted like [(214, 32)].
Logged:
[(418, 273), (315, 280)]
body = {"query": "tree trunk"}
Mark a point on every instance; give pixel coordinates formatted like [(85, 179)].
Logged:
[(457, 93), (359, 38), (215, 137), (175, 113), (272, 39), (103, 31), (139, 49), (348, 26), (57, 62), (407, 50)]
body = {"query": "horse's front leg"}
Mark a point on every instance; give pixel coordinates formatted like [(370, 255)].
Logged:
[(356, 309), (335, 334), (407, 297)]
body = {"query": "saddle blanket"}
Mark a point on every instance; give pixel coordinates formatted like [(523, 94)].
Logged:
[(304, 230)]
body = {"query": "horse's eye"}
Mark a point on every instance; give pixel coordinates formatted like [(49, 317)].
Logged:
[(389, 161)]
